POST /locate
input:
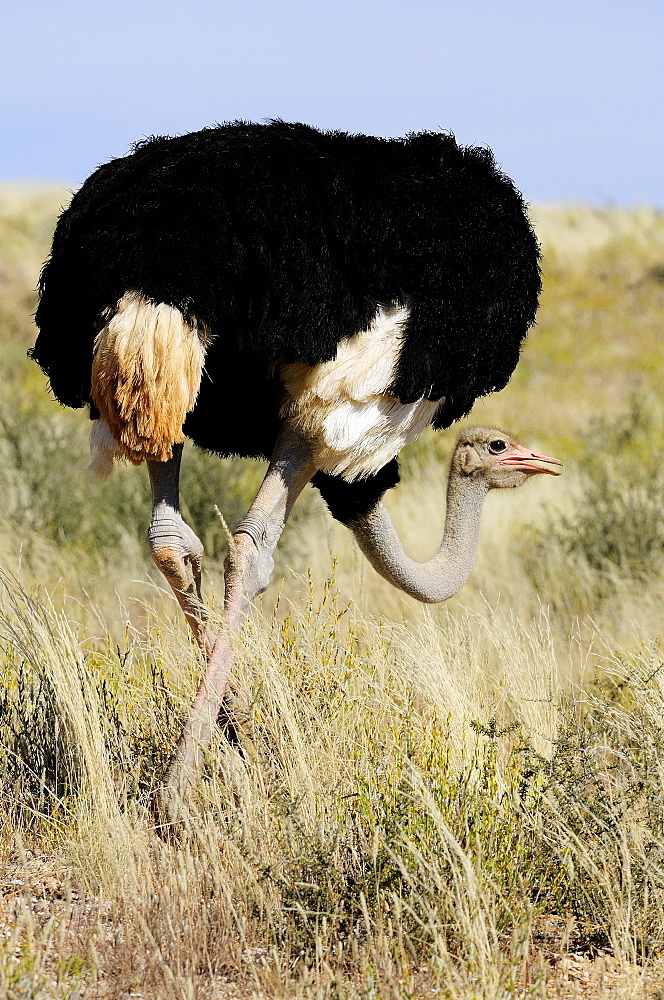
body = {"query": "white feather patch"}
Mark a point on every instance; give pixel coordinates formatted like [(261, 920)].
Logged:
[(104, 450), (343, 407)]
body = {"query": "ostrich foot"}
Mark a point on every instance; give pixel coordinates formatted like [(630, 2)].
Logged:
[(175, 801)]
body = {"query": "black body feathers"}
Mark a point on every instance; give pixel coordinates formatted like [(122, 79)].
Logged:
[(282, 240)]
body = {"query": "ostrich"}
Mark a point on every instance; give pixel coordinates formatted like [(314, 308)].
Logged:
[(314, 298)]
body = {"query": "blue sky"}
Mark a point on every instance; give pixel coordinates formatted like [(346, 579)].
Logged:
[(568, 93)]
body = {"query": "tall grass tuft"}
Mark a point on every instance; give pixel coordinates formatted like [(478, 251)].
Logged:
[(614, 534)]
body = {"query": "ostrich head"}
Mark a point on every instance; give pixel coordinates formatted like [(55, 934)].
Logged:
[(496, 457)]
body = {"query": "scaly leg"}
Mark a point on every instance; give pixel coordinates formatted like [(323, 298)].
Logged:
[(248, 569), (178, 553), (176, 550)]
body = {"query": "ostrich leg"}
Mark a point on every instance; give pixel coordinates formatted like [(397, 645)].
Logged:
[(178, 554), (248, 569), (175, 548)]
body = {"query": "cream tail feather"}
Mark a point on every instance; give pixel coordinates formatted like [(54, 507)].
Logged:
[(146, 373)]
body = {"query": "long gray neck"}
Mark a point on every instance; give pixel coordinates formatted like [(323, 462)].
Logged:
[(444, 574)]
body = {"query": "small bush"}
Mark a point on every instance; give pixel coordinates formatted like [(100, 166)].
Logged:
[(615, 528)]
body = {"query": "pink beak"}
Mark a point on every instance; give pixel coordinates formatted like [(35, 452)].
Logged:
[(521, 458)]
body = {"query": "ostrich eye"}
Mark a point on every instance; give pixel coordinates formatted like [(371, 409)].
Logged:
[(495, 447)]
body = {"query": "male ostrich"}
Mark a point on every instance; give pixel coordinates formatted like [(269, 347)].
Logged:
[(313, 298)]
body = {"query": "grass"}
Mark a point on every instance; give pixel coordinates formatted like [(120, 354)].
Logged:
[(462, 801)]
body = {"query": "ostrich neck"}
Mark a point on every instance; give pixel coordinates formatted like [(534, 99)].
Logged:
[(444, 574)]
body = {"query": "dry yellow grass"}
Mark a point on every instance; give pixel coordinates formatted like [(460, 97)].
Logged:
[(461, 801)]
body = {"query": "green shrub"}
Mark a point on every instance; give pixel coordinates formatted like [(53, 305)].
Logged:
[(614, 529)]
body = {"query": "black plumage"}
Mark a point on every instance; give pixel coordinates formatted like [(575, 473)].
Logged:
[(281, 240)]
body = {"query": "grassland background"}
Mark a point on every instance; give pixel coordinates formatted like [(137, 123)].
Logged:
[(462, 801)]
